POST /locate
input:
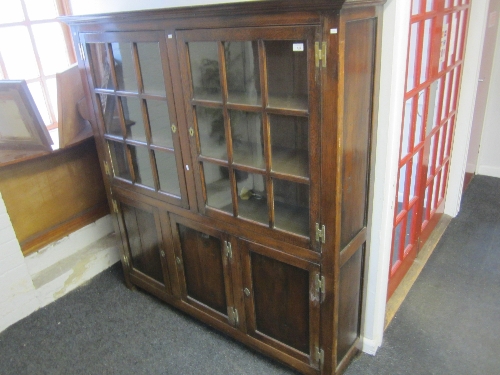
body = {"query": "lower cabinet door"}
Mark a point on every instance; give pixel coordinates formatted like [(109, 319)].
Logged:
[(204, 261), (146, 246), (281, 303)]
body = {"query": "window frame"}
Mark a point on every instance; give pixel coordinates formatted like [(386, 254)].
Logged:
[(63, 9)]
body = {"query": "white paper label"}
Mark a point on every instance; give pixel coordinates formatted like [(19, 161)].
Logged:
[(298, 47)]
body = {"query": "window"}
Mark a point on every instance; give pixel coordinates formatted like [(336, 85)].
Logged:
[(34, 46)]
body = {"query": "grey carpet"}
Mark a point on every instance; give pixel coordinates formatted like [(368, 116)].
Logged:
[(449, 323)]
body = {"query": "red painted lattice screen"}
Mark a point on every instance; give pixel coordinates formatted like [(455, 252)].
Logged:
[(434, 66)]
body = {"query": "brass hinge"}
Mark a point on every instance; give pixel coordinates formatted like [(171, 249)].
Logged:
[(319, 285), (229, 250), (232, 314), (106, 168), (320, 233), (125, 260), (115, 206), (320, 54), (81, 48), (320, 357)]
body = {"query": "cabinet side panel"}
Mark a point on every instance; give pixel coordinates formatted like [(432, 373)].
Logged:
[(358, 83), (349, 303)]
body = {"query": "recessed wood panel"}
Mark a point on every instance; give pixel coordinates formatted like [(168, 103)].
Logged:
[(358, 84), (203, 268), (143, 241), (349, 303), (281, 298)]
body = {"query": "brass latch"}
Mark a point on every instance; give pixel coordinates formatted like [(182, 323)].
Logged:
[(106, 168), (320, 54), (115, 206), (320, 357), (229, 250), (232, 315), (320, 233)]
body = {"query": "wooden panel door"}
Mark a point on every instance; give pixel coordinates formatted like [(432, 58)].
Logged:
[(435, 59), (252, 99), (147, 245), (282, 303), (132, 91), (204, 267)]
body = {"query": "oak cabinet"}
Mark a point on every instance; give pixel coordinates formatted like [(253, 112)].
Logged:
[(235, 142)]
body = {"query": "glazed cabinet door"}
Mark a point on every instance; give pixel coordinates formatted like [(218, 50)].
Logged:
[(204, 265), (253, 114), (147, 245), (282, 304), (130, 81)]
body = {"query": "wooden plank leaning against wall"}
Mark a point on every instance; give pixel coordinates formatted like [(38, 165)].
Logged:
[(51, 196)]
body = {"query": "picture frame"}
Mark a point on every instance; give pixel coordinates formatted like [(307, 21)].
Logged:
[(21, 125)]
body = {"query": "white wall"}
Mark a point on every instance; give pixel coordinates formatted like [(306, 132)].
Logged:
[(17, 292), (465, 112), (107, 6), (29, 283), (489, 151)]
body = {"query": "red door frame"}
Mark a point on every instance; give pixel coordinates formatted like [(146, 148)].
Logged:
[(434, 64)]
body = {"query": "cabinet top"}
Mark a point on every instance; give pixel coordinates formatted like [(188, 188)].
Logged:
[(251, 7)]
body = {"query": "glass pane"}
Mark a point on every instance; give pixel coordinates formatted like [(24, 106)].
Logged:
[(143, 241), (248, 143), (401, 188), (159, 123), (134, 123), (412, 58), (12, 11), (414, 170), (142, 166), (204, 58), (252, 196), (41, 9), (167, 173), (52, 88), (291, 207), (290, 145), (396, 242), (405, 137), (40, 101), (109, 111), (415, 8), (51, 47), (287, 74), (426, 50), (100, 65), (17, 53), (422, 99), (211, 132), (151, 68), (119, 160), (409, 221), (218, 187), (243, 76), (124, 66)]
